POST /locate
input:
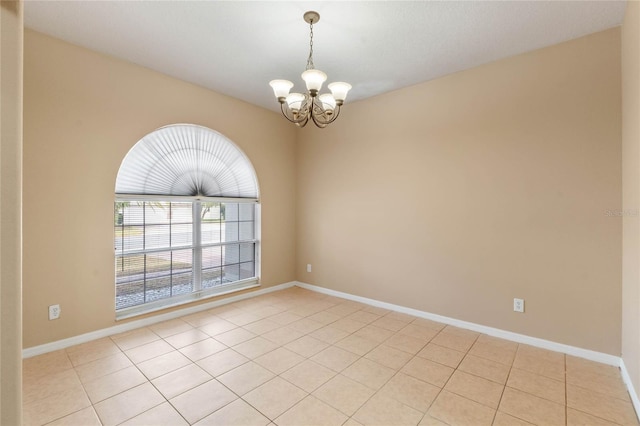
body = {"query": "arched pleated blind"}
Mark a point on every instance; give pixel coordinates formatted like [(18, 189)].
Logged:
[(187, 160)]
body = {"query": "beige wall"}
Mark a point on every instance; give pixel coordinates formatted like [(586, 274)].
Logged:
[(631, 191), (456, 195), (10, 208), (83, 112)]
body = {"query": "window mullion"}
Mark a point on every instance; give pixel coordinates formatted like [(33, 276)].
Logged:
[(197, 245)]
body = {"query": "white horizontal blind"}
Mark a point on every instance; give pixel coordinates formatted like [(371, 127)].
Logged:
[(187, 160)]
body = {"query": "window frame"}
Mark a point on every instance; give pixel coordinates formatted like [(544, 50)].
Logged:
[(196, 247)]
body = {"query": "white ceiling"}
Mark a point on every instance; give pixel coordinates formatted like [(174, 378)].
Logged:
[(237, 47)]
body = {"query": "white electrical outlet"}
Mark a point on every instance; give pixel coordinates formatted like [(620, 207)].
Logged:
[(54, 312), (308, 267), (518, 305)]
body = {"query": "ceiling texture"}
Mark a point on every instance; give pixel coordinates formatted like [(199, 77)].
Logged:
[(237, 47)]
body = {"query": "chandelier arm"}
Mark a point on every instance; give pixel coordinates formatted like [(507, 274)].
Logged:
[(289, 115)]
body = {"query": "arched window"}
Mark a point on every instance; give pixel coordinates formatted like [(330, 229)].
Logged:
[(185, 219)]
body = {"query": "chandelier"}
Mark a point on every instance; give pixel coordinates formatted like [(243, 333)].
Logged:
[(298, 107)]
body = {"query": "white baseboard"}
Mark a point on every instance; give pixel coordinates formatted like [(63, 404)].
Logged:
[(632, 391), (496, 332), (98, 334)]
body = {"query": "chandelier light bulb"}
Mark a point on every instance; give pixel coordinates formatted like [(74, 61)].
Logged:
[(339, 90), (299, 108), (328, 102), (314, 79), (294, 101), (281, 88)]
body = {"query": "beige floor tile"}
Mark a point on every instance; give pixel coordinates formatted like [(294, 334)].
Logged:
[(199, 402), (406, 343), (169, 328), (540, 361), (84, 417), (347, 325), (456, 410), (306, 325), (274, 397), (200, 319), (427, 420), (376, 310), (352, 422), (128, 404), (160, 415), (311, 412), (279, 360), (607, 384), (475, 388), (441, 355), (423, 322), (537, 385), (343, 309), (283, 335), (578, 418), (235, 336), (308, 375), (246, 377), (453, 340), (344, 394), (363, 316), (237, 413), (369, 373), (217, 327), (428, 371), (102, 367), (52, 384), (503, 419), (389, 357), (581, 365), (255, 347), (186, 338), (485, 368), (329, 334), (91, 351), (381, 410), (181, 380), (495, 349), (335, 358), (600, 405), (148, 350), (262, 326), (55, 406), (163, 364), (202, 349), (42, 365), (285, 318), (399, 316), (389, 323), (531, 408), (106, 386), (410, 391), (306, 346), (356, 344), (374, 333), (221, 362), (418, 331), (243, 318), (324, 317), (133, 338)]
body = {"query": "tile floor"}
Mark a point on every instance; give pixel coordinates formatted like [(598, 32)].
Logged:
[(295, 357)]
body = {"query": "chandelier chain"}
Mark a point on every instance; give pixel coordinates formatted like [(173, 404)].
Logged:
[(310, 65)]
